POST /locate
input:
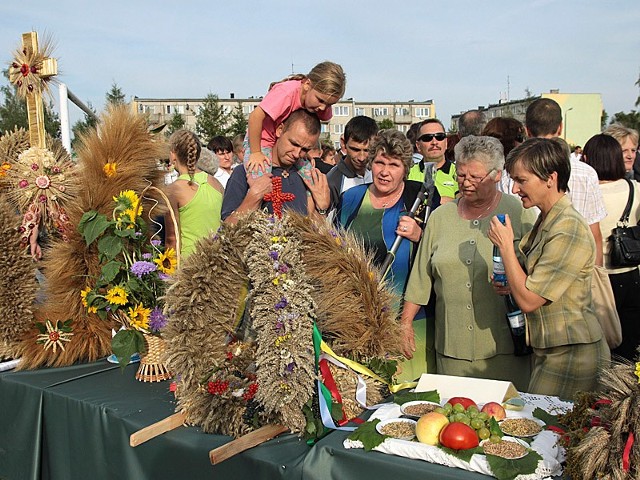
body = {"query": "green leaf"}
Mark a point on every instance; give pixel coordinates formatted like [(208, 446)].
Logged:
[(110, 270), (109, 246), (368, 435), (547, 418), (430, 396), (88, 217), (464, 455), (42, 328), (494, 427), (125, 343), (336, 411), (386, 369), (508, 469), (94, 227)]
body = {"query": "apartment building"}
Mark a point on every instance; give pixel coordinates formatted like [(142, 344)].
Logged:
[(402, 114)]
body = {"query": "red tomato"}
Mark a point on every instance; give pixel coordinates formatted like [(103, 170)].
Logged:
[(458, 436), (464, 401)]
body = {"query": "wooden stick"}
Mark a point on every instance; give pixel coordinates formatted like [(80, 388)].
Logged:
[(147, 433), (245, 442)]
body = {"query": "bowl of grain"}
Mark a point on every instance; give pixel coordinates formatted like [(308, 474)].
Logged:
[(520, 427), (418, 408), (400, 428), (508, 447)]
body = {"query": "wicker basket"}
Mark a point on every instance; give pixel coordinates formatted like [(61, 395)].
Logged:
[(151, 367)]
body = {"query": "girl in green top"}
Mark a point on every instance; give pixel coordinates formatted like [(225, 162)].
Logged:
[(195, 195)]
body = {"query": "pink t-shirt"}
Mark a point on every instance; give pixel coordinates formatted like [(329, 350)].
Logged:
[(278, 104)]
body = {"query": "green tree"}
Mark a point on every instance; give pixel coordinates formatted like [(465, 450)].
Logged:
[(115, 96), (176, 123), (13, 113), (239, 122), (629, 120), (83, 126), (386, 123), (603, 119), (211, 120)]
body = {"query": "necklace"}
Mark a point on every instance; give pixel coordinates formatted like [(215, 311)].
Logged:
[(465, 213), (388, 203)]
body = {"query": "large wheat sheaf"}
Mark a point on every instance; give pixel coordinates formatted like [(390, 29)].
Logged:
[(119, 155)]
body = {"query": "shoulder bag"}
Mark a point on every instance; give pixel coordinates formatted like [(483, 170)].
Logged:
[(625, 239)]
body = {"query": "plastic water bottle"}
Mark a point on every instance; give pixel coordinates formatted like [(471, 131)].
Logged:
[(517, 326), (499, 274)]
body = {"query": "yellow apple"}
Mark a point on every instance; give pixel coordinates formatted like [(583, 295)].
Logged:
[(429, 427)]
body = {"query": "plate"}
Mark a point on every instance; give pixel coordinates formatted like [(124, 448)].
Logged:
[(505, 453), (134, 358), (380, 427), (412, 409), (520, 427)]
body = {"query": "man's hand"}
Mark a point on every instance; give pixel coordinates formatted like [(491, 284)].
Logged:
[(319, 188), (260, 186)]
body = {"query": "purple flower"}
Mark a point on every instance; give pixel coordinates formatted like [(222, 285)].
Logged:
[(273, 254), (147, 256), (281, 304), (156, 242), (333, 233), (138, 234), (163, 276), (279, 325), (284, 268), (289, 368), (143, 268), (157, 320)]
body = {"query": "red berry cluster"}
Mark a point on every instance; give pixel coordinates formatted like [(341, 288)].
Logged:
[(251, 392), (218, 387), (229, 356)]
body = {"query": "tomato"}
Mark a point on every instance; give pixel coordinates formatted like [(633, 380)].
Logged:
[(464, 401), (458, 436)]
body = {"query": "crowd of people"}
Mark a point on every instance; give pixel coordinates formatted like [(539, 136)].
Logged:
[(560, 207)]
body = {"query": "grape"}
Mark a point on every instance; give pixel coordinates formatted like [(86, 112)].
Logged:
[(476, 423), (484, 433), (458, 408), (441, 410), (448, 408), (460, 417), (452, 418), (466, 420), (484, 416), (472, 411), (495, 439)]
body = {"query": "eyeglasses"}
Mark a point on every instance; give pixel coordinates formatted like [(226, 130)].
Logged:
[(427, 137), (472, 180), (520, 138)]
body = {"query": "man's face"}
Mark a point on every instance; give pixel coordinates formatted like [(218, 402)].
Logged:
[(431, 147), (292, 144), (356, 154), (226, 159)]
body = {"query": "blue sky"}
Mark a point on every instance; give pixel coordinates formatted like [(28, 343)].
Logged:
[(458, 53)]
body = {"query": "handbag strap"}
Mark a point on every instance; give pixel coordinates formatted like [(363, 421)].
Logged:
[(624, 219)]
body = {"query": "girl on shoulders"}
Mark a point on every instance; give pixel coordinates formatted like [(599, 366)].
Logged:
[(195, 196), (315, 92)]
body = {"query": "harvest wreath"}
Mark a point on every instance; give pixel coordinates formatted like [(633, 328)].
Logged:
[(241, 368)]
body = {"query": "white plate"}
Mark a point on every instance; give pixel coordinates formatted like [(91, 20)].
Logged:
[(535, 420), (394, 420), (416, 402), (514, 440)]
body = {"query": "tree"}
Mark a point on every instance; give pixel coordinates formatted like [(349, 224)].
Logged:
[(115, 96), (239, 122), (211, 119), (629, 120), (386, 123), (83, 126), (13, 113), (176, 123), (603, 119)]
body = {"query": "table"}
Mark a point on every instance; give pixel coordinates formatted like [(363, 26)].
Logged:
[(75, 422)]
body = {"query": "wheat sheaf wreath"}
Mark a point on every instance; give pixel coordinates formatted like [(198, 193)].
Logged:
[(235, 374)]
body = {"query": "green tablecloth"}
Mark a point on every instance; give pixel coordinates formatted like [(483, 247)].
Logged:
[(75, 422)]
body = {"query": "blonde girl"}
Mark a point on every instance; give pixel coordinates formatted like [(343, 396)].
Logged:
[(316, 92), (196, 196)]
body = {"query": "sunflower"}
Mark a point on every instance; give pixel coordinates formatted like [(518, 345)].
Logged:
[(127, 200), (83, 294), (139, 317), (167, 261), (110, 169), (116, 296)]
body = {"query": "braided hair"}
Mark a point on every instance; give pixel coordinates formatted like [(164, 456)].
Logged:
[(186, 146)]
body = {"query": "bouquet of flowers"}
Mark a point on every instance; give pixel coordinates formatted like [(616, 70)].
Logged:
[(132, 276)]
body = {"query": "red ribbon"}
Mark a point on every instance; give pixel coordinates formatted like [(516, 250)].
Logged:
[(330, 383), (627, 452)]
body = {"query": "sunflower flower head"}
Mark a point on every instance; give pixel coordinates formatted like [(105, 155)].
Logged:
[(83, 295), (116, 296), (167, 261), (139, 317), (110, 169)]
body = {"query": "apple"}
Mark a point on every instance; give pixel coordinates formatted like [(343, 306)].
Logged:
[(495, 410), (429, 427), (458, 436), (464, 401)]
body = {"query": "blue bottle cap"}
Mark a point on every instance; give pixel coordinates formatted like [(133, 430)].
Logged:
[(501, 218)]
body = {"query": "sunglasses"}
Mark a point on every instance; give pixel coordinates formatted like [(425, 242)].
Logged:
[(427, 137)]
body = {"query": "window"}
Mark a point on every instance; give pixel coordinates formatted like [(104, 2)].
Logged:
[(422, 112), (403, 128), (402, 111), (324, 128), (180, 109), (247, 109), (380, 112), (341, 110), (360, 111), (338, 128), (150, 109), (168, 109)]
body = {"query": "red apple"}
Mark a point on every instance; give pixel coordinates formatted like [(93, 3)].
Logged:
[(495, 410), (464, 401), (458, 436), (429, 427)]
